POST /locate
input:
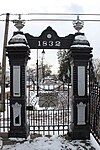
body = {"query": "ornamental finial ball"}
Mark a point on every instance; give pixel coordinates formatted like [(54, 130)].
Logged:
[(78, 24)]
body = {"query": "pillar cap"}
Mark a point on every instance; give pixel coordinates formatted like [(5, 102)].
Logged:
[(18, 40), (80, 41)]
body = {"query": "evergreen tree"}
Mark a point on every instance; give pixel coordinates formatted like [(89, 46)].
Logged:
[(47, 70), (64, 67)]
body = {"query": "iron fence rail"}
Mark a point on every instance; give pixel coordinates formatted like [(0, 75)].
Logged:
[(5, 117), (48, 122), (94, 104)]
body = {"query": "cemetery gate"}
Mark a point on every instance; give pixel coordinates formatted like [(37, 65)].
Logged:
[(42, 121), (81, 102), (49, 114)]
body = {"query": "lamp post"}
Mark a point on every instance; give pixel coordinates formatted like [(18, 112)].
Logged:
[(37, 75), (68, 74), (63, 81), (43, 52)]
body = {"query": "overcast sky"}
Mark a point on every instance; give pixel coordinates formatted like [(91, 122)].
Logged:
[(91, 29)]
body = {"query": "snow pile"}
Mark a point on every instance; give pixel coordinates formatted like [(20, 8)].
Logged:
[(53, 143), (94, 143), (78, 45), (80, 41), (18, 38), (1, 143), (81, 38)]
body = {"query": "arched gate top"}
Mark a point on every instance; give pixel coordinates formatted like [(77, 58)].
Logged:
[(49, 40)]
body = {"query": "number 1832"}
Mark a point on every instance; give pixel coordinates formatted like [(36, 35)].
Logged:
[(49, 43)]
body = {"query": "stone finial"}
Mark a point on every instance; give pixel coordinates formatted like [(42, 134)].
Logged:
[(19, 24), (78, 24)]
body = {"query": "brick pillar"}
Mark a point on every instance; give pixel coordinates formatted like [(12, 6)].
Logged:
[(18, 54), (79, 55)]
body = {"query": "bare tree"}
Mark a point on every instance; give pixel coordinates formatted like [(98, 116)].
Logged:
[(96, 64)]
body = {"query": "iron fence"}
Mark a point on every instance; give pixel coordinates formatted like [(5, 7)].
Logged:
[(5, 116), (48, 121), (53, 115), (94, 103)]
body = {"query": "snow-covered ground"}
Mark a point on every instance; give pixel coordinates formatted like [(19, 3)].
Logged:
[(52, 143)]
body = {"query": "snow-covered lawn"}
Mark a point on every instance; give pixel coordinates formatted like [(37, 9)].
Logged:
[(53, 143)]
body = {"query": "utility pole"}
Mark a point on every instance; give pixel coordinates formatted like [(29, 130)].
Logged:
[(2, 99)]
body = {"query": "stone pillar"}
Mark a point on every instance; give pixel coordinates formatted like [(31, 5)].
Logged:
[(79, 55), (18, 54)]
